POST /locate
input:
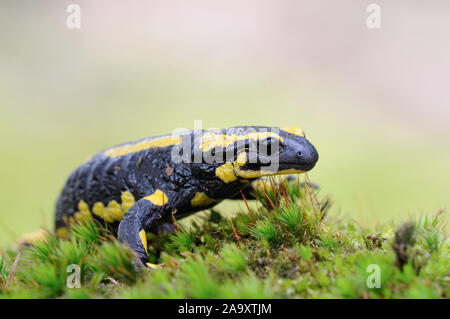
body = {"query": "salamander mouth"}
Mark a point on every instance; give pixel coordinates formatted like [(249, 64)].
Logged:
[(281, 166), (296, 166)]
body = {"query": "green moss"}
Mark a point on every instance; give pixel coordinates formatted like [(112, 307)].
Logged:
[(293, 249)]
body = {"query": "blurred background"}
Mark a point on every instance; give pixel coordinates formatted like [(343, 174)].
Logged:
[(375, 102)]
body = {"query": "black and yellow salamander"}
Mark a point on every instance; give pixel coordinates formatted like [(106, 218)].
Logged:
[(135, 187)]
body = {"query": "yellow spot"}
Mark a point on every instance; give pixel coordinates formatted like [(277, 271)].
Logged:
[(201, 199), (83, 206), (127, 200), (296, 130), (211, 140), (83, 212), (241, 159), (143, 145), (65, 220), (143, 237), (158, 198), (226, 172), (150, 265), (62, 232), (100, 210), (115, 210)]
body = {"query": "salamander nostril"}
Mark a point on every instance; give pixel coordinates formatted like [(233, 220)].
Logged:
[(299, 153)]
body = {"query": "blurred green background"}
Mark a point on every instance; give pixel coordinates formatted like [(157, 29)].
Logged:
[(374, 101)]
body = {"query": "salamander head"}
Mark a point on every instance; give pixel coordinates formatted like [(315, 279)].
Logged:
[(246, 153)]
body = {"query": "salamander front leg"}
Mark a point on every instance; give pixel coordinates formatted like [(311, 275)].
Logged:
[(132, 229)]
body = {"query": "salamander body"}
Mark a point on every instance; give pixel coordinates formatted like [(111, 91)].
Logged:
[(135, 187)]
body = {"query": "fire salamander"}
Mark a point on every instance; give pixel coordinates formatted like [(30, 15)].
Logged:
[(135, 187)]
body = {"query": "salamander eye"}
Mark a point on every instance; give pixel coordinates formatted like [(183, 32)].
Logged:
[(269, 147)]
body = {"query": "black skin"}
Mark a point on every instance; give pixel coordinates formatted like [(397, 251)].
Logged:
[(103, 179)]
